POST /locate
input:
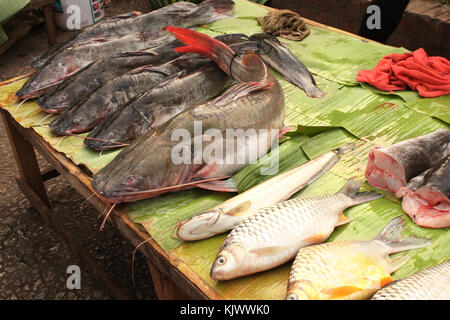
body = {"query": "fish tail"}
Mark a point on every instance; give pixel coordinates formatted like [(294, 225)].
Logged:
[(200, 43), (346, 148), (221, 9), (351, 188), (391, 236), (314, 92)]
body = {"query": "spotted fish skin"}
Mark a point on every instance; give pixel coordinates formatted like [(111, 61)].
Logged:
[(430, 284), (273, 235)]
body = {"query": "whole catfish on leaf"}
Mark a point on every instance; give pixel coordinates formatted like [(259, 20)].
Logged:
[(147, 168), (426, 197), (85, 115), (68, 62), (182, 14), (80, 86), (158, 105)]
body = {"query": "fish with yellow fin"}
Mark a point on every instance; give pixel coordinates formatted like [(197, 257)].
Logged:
[(350, 269)]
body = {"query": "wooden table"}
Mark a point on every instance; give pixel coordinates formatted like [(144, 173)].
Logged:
[(172, 279)]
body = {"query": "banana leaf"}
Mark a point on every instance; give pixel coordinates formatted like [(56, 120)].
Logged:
[(348, 113)]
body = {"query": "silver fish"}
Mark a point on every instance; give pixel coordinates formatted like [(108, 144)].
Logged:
[(274, 235), (230, 213)]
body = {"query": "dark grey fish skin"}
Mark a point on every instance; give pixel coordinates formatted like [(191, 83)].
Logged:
[(288, 65), (86, 115), (68, 62), (146, 167), (157, 106), (182, 14), (79, 87), (392, 167)]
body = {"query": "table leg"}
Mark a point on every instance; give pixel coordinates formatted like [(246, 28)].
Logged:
[(25, 159), (165, 288), (50, 24)]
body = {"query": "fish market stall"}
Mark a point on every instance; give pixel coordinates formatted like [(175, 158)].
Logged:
[(343, 112)]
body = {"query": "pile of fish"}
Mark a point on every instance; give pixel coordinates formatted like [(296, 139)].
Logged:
[(123, 77), (268, 230), (417, 170)]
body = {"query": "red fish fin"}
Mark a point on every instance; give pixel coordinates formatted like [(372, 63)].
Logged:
[(219, 185), (385, 281), (200, 43), (340, 292), (240, 91)]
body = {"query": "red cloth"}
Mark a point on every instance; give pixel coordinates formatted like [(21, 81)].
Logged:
[(429, 76)]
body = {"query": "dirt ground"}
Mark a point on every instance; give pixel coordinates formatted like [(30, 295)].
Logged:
[(33, 257)]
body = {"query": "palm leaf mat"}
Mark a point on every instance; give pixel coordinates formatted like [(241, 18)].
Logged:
[(348, 113)]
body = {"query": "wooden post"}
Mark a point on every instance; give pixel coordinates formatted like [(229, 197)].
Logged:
[(165, 288), (25, 159), (50, 24)]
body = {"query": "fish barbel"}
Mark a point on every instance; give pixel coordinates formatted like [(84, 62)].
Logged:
[(273, 235), (230, 213), (147, 168), (432, 283), (350, 269)]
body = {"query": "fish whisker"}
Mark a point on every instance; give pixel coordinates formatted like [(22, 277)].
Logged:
[(107, 215)]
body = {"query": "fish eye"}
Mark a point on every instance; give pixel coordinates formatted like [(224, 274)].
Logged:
[(221, 260), (291, 296), (130, 180)]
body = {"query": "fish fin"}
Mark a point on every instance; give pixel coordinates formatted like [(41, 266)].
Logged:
[(265, 251), (346, 148), (340, 292), (127, 15), (201, 43), (239, 91), (350, 189), (219, 185), (239, 209), (391, 236), (222, 9), (343, 220), (317, 238), (385, 281), (148, 52), (398, 262)]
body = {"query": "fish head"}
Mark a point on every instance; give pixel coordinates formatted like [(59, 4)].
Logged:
[(301, 290), (141, 170), (121, 126), (230, 263), (45, 78), (200, 227), (70, 122)]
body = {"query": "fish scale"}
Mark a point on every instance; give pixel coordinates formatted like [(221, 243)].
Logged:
[(429, 284)]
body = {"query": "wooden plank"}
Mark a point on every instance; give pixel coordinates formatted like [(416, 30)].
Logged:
[(50, 24), (97, 272), (165, 288)]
